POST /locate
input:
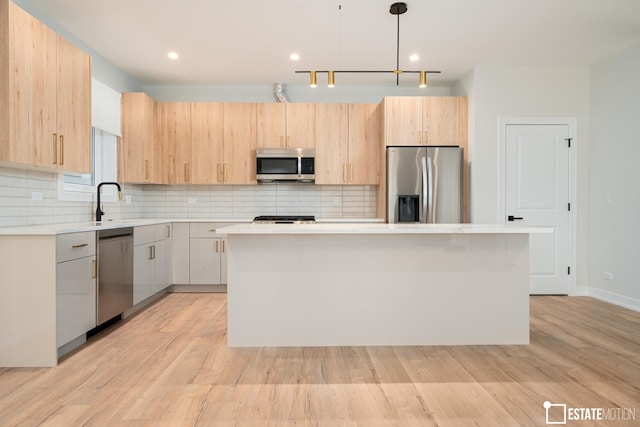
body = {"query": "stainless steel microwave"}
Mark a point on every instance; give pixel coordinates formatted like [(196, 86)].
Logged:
[(285, 164)]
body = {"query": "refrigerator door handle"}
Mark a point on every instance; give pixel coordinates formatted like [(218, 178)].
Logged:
[(424, 215), (430, 210)]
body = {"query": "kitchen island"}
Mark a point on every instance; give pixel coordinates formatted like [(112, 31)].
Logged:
[(378, 284)]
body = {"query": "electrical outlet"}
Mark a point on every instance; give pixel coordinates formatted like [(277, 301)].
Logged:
[(36, 195), (192, 200), (606, 199), (607, 275)]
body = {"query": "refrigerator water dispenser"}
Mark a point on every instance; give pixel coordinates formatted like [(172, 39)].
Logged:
[(408, 208)]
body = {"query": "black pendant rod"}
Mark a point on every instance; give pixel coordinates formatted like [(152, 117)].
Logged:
[(398, 9), (398, 52)]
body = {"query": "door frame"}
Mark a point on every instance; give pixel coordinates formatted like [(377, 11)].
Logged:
[(572, 123)]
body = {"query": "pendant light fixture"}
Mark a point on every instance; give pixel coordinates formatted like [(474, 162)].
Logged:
[(396, 9)]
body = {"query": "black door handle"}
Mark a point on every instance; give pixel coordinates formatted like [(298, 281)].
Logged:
[(513, 218)]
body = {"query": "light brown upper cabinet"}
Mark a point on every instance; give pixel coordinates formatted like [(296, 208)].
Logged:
[(332, 143), (174, 143), (285, 125), (45, 88), (364, 144), (137, 148), (429, 120), (240, 136), (207, 148), (347, 144)]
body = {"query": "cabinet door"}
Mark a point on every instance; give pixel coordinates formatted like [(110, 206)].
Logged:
[(364, 144), (73, 107), (75, 298), (300, 125), (441, 120), (271, 127), (175, 142), (332, 143), (207, 135), (239, 143), (402, 120), (161, 267), (143, 272), (204, 262), (223, 261), (136, 150), (180, 254), (31, 93)]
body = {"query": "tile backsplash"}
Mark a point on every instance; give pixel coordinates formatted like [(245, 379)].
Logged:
[(29, 197)]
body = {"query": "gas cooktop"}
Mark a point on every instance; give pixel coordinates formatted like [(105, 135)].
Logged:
[(285, 219)]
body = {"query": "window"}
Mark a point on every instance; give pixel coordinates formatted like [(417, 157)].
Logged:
[(105, 118), (76, 186)]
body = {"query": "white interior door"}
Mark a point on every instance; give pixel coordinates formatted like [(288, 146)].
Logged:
[(537, 194)]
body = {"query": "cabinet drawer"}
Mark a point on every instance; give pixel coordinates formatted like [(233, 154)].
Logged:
[(144, 234), (75, 245), (206, 229), (151, 233)]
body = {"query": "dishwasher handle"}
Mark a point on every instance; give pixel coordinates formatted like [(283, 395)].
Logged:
[(115, 232)]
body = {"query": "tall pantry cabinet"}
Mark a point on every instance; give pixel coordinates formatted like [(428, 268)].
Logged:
[(45, 95)]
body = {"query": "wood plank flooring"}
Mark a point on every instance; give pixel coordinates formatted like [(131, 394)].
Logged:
[(169, 366)]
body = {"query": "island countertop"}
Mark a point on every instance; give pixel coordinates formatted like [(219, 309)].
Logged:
[(380, 228)]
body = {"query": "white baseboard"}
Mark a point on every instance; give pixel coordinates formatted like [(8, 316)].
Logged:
[(613, 298)]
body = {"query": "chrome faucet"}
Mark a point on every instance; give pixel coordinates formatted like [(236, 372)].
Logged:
[(99, 212)]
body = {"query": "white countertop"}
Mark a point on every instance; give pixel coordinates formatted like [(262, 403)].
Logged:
[(375, 228), (76, 227)]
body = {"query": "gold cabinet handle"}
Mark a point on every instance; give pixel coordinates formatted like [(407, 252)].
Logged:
[(55, 148), (350, 172), (217, 246), (146, 169), (281, 141), (79, 246), (426, 137), (219, 172), (213, 230), (344, 172), (94, 269), (168, 230), (186, 172), (61, 150), (288, 140), (223, 246), (225, 172)]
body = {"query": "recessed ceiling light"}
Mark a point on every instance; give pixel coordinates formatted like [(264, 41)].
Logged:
[(294, 56), (414, 57), (172, 55)]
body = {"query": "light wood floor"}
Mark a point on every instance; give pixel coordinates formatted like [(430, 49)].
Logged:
[(169, 365)]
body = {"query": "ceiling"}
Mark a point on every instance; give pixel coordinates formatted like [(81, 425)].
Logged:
[(248, 42)]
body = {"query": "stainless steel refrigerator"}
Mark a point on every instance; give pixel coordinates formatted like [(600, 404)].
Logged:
[(424, 184)]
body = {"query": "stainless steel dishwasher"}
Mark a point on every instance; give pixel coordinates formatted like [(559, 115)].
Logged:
[(115, 272)]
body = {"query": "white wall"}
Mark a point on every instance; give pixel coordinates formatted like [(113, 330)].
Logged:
[(512, 91), (295, 93), (614, 150)]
